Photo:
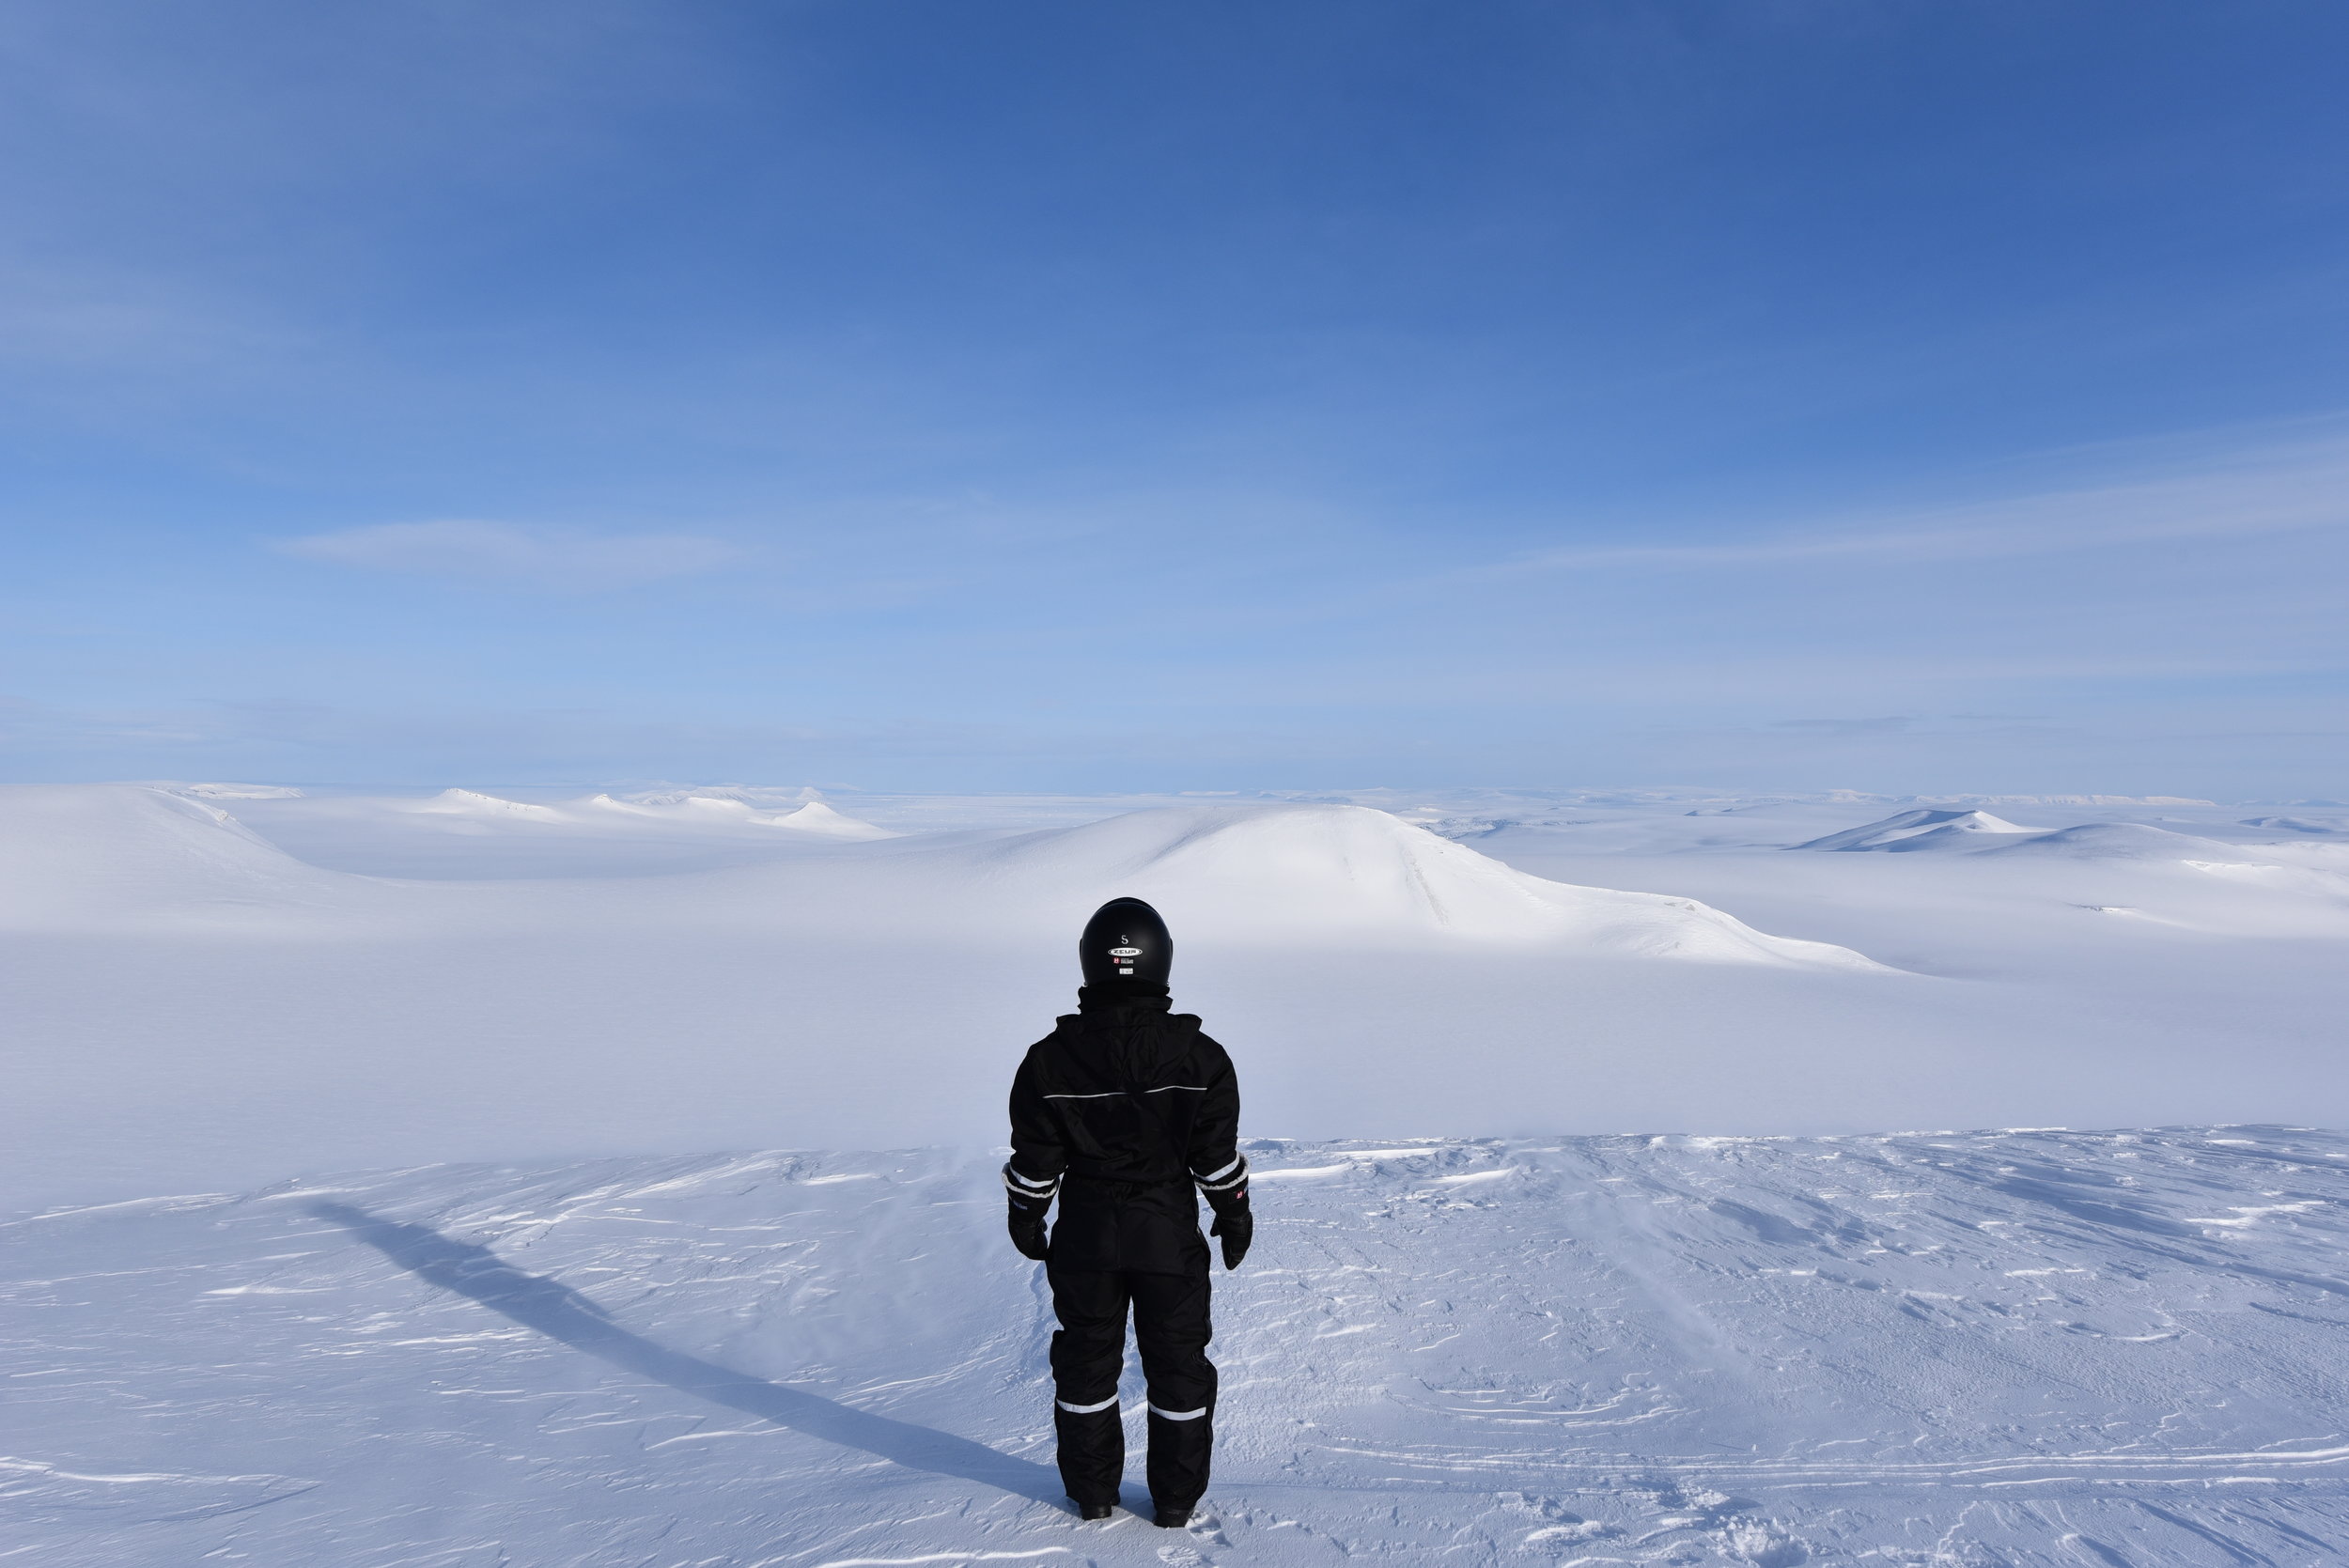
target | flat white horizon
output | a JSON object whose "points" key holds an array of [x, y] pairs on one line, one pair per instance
{"points": [[224, 985]]}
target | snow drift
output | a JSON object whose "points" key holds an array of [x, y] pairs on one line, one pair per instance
{"points": [[1322, 875]]}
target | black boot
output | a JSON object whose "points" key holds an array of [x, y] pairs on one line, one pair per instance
{"points": [[1095, 1510], [1170, 1518]]}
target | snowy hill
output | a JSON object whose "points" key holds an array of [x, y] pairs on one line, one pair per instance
{"points": [[2124, 841], [2027, 1348], [128, 855], [1926, 829], [1315, 875]]}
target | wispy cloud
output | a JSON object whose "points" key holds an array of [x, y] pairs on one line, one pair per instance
{"points": [[2271, 491], [546, 558], [1845, 727]]}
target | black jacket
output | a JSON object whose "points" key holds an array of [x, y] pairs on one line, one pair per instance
{"points": [[1122, 1111]]}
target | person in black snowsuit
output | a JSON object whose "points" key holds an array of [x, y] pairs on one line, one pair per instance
{"points": [[1128, 1115]]}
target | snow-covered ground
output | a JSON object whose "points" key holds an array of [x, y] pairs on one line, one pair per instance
{"points": [[1575, 1308], [2006, 1348]]}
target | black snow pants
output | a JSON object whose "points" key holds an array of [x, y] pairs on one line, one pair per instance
{"points": [[1171, 1328]]}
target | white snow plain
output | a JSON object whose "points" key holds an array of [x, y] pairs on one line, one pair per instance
{"points": [[1635, 1276], [2017, 1348]]}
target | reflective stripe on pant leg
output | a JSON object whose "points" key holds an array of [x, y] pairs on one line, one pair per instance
{"points": [[1172, 1329], [1088, 1354]]}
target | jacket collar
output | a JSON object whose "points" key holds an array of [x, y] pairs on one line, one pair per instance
{"points": [[1126, 996]]}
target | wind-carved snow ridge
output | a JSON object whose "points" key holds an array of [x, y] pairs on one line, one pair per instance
{"points": [[2022, 1347], [1319, 873]]}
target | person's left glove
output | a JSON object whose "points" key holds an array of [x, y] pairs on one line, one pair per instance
{"points": [[1027, 1229], [1238, 1228]]}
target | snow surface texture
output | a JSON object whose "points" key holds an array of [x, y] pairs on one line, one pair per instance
{"points": [[2012, 1349]]}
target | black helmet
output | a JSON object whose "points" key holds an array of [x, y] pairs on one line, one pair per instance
{"points": [[1126, 942]]}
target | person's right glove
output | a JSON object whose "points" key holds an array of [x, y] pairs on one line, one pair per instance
{"points": [[1238, 1228], [1027, 1229]]}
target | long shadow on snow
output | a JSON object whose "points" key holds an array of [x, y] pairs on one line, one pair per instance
{"points": [[560, 1313]]}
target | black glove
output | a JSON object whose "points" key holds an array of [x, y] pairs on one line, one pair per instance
{"points": [[1027, 1229], [1238, 1228]]}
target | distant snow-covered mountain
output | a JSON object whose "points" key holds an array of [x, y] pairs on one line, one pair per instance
{"points": [[1979, 832], [1929, 829]]}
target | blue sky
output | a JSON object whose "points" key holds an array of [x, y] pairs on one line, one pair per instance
{"points": [[1769, 395]]}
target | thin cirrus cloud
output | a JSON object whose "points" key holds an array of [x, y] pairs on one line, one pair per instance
{"points": [[2258, 491], [505, 553]]}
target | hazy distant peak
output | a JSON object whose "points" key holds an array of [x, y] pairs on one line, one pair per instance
{"points": [[1924, 828]]}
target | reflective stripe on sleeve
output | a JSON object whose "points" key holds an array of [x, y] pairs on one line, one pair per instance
{"points": [[1028, 1188], [1240, 1180], [1088, 1409], [1238, 1160]]}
